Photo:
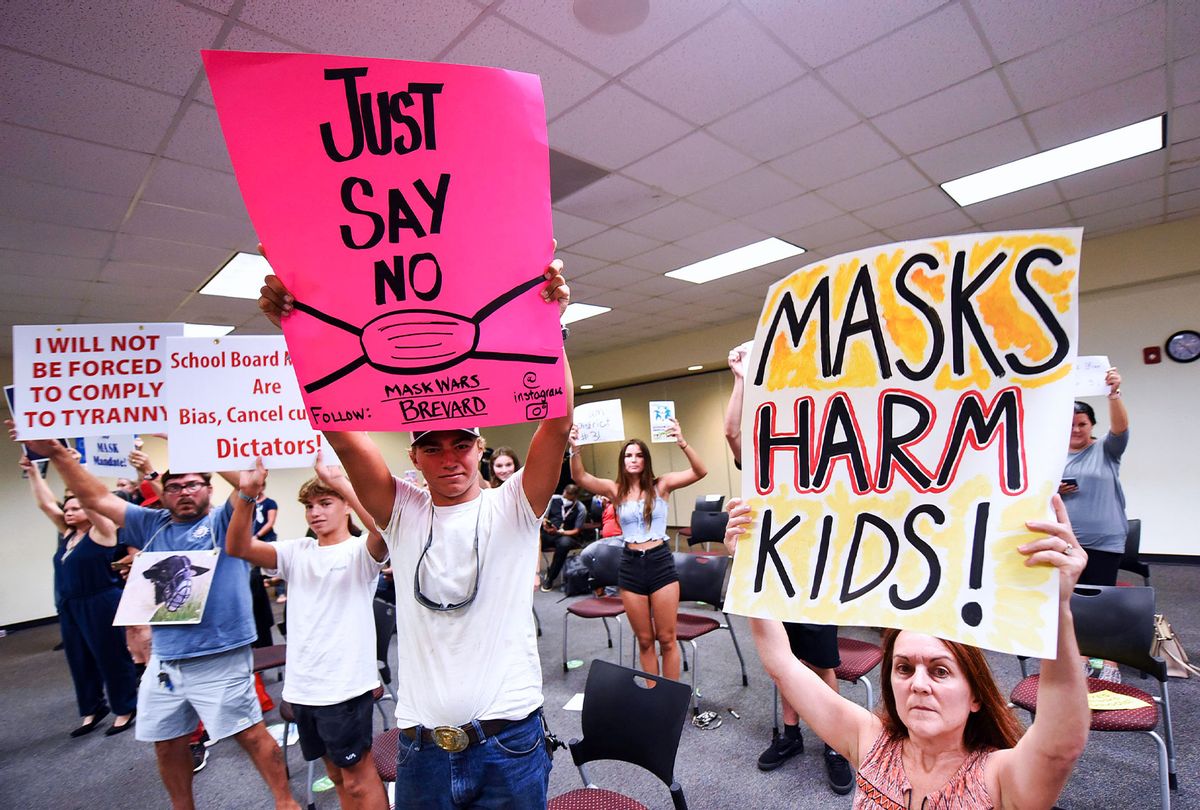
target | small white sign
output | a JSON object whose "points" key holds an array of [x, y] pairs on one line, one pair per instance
{"points": [[108, 456], [600, 422], [662, 412], [1089, 376]]}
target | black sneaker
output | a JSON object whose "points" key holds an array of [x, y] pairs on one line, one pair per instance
{"points": [[781, 749], [199, 757], [837, 771]]}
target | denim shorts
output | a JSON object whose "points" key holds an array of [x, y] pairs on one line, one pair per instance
{"points": [[646, 573], [510, 769]]}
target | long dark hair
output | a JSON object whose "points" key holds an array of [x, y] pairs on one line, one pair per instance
{"points": [[993, 726], [646, 482]]}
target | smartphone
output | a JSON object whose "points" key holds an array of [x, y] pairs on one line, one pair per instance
{"points": [[1071, 482]]}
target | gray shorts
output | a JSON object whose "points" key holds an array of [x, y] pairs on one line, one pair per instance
{"points": [[216, 689]]}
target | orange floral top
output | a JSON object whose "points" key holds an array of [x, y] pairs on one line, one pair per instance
{"points": [[883, 784]]}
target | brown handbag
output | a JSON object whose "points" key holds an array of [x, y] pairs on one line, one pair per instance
{"points": [[1167, 646]]}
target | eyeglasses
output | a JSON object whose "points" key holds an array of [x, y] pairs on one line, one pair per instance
{"points": [[444, 607], [189, 487]]}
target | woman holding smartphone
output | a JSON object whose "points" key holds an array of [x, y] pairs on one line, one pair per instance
{"points": [[647, 578]]}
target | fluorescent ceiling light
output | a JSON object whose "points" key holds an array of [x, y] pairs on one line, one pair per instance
{"points": [[695, 368], [578, 312], [205, 330], [1073, 158], [587, 387], [737, 261], [240, 277]]}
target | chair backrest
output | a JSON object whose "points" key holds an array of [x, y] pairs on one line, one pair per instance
{"points": [[701, 577], [708, 527], [710, 503], [625, 721], [606, 564], [1118, 624], [1133, 545]]}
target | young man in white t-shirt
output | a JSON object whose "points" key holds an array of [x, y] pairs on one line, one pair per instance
{"points": [[469, 702], [331, 667]]}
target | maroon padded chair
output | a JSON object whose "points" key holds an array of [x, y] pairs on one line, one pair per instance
{"points": [[702, 579], [858, 658], [606, 563]]}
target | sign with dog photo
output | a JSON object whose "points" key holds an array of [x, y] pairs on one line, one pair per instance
{"points": [[167, 587]]}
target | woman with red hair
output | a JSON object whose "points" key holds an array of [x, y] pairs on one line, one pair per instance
{"points": [[942, 735]]}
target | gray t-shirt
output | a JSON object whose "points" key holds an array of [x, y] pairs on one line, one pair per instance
{"points": [[1097, 510]]}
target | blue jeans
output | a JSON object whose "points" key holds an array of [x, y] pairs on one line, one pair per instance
{"points": [[509, 770]]}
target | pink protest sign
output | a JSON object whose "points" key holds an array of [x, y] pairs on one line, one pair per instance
{"points": [[406, 206]]}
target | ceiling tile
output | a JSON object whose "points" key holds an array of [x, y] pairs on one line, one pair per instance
{"points": [[184, 185], [21, 263], [857, 244], [876, 186], [555, 22], [198, 139], [836, 158], [831, 231], [45, 285], [1015, 28], [674, 221], [168, 253], [1113, 106], [1183, 201], [934, 52], [195, 227], [43, 237], [1050, 217], [614, 245], [802, 113], [1185, 80], [1183, 180], [1112, 176], [63, 206], [969, 106], [569, 229], [127, 310], [1118, 198], [747, 193], [1135, 213], [139, 276], [395, 31], [723, 238], [1011, 205], [715, 69], [72, 102], [614, 277], [215, 309], [44, 307], [792, 214], [820, 31], [918, 205], [1131, 44], [948, 223], [654, 286], [666, 258], [68, 162], [146, 42], [688, 165], [599, 130], [1185, 154], [613, 200], [1184, 123], [1183, 27], [497, 43], [576, 265], [974, 153]]}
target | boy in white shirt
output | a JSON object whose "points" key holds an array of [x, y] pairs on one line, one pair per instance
{"points": [[331, 667]]}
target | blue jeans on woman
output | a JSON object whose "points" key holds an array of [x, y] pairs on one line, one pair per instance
{"points": [[509, 770]]}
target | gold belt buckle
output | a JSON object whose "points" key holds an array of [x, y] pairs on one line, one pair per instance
{"points": [[451, 738]]}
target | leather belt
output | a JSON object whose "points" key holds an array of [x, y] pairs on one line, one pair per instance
{"points": [[458, 738]]}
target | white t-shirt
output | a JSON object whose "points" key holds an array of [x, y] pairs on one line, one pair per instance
{"points": [[331, 624], [479, 662]]}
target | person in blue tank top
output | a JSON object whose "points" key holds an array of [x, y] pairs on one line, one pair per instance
{"points": [[87, 592], [198, 672], [647, 578]]}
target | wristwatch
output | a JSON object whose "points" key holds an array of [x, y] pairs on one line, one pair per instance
{"points": [[151, 476]]}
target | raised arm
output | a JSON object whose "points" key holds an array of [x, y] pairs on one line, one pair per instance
{"points": [[544, 459], [733, 411], [335, 478], [1034, 772], [676, 480], [843, 724], [92, 493], [368, 473], [42, 495], [599, 486], [239, 539], [141, 462], [1118, 417]]}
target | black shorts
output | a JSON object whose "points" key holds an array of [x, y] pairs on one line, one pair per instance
{"points": [[646, 572], [341, 731], [815, 644]]}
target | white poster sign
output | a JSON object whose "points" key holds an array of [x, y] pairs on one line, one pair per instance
{"points": [[1090, 372], [600, 422], [108, 456], [89, 379], [232, 399]]}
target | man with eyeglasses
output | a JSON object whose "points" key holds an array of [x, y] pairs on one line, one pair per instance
{"points": [[200, 671], [470, 693]]}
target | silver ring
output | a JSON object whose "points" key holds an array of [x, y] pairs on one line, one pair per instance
{"points": [[1067, 550]]}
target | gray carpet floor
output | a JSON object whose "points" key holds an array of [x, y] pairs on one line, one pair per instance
{"points": [[40, 767]]}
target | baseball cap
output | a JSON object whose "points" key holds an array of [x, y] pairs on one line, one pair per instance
{"points": [[420, 434]]}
